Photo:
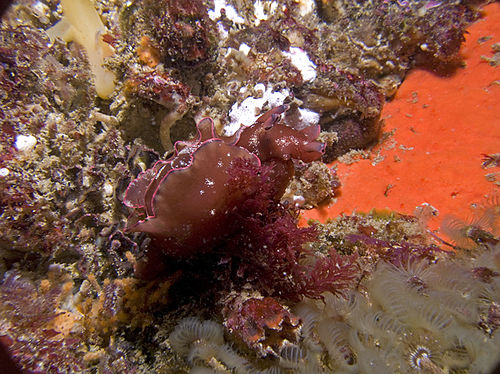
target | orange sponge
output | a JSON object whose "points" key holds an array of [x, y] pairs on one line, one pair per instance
{"points": [[442, 127]]}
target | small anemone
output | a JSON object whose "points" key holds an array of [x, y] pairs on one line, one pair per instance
{"points": [[202, 342], [454, 277], [392, 293], [460, 306], [460, 232], [431, 316], [201, 351], [309, 315], [385, 323]]}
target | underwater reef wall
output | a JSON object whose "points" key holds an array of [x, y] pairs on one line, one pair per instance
{"points": [[155, 157]]}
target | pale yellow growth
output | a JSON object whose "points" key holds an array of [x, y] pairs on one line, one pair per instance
{"points": [[81, 23]]}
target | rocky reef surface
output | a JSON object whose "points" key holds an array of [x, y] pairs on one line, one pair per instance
{"points": [[122, 252]]}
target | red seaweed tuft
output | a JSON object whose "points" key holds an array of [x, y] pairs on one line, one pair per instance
{"points": [[189, 202], [222, 196], [185, 201], [334, 273]]}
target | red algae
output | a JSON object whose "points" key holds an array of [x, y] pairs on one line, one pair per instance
{"points": [[442, 127], [200, 171]]}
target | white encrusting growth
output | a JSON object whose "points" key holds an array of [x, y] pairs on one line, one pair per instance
{"points": [[263, 9], [245, 48], [247, 112], [301, 61], [231, 13], [308, 117], [25, 143], [250, 109], [306, 7]]}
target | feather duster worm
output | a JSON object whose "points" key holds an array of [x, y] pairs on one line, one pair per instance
{"points": [[189, 202]]}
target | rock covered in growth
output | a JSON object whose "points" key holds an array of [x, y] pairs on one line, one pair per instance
{"points": [[389, 37], [57, 190], [349, 105], [232, 48], [262, 323], [34, 330], [182, 30], [158, 87], [62, 161], [314, 184]]}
